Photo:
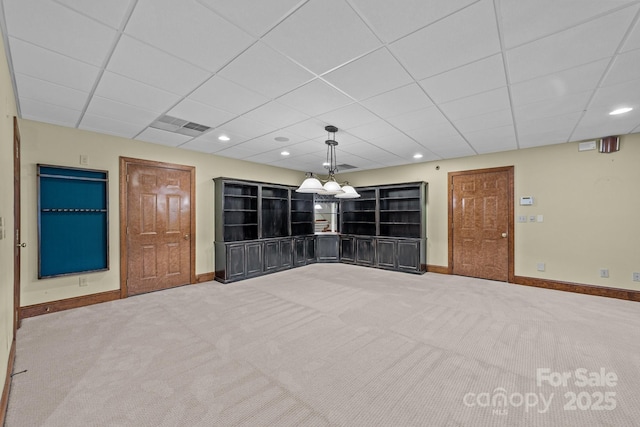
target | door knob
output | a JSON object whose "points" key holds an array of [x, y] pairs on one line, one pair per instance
{"points": [[504, 234], [21, 245], [186, 237]]}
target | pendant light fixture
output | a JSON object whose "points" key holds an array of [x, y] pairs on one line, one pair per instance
{"points": [[331, 186]]}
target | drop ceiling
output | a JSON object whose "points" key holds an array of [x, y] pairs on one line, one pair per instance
{"points": [[440, 78]]}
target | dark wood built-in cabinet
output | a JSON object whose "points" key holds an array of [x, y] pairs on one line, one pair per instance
{"points": [[386, 227], [262, 228]]}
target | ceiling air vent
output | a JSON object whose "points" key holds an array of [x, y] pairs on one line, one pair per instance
{"points": [[344, 167], [176, 125]]}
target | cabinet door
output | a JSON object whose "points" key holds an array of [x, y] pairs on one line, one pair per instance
{"points": [[386, 254], [310, 249], [254, 258], [365, 251], [235, 262], [347, 249], [271, 255], [286, 253], [327, 248], [409, 255], [299, 257]]}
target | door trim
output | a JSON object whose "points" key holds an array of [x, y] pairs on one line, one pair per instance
{"points": [[124, 163], [17, 316], [510, 213]]}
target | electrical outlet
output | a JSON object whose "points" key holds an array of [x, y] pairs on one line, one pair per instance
{"points": [[83, 282], [522, 218], [540, 266], [84, 159], [636, 277], [604, 272]]}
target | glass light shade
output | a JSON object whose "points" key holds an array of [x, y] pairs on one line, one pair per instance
{"points": [[310, 185], [349, 193], [331, 187]]}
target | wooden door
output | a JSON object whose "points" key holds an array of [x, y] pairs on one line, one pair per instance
{"points": [[481, 223], [159, 226], [18, 245]]}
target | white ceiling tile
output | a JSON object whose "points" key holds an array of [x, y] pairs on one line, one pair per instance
{"points": [[348, 117], [625, 67], [315, 98], [429, 116], [367, 151], [480, 76], [633, 40], [543, 138], [146, 64], [274, 76], [227, 95], [564, 123], [322, 35], [431, 136], [311, 128], [373, 130], [585, 43], [391, 20], [213, 136], [597, 123], [200, 113], [459, 39], [203, 146], [492, 140], [46, 65], [59, 29], [40, 90], [452, 147], [276, 114], [490, 120], [248, 127], [111, 13], [370, 75], [625, 94], [572, 103], [110, 126], [145, 97], [486, 102], [48, 113], [559, 84], [236, 152], [255, 17], [188, 30], [163, 137], [398, 101], [526, 20], [108, 108]]}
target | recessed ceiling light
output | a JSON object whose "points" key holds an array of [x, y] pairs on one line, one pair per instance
{"points": [[224, 138], [285, 153], [417, 156], [620, 111]]}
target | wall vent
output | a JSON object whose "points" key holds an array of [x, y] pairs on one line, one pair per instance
{"points": [[344, 167], [176, 125]]}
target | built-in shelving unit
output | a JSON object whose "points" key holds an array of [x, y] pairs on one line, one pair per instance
{"points": [[359, 215], [385, 227], [261, 228]]}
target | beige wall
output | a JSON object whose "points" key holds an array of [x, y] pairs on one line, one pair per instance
{"points": [[7, 112], [589, 202], [55, 145]]}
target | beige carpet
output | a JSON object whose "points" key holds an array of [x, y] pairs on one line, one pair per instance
{"points": [[333, 344]]}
